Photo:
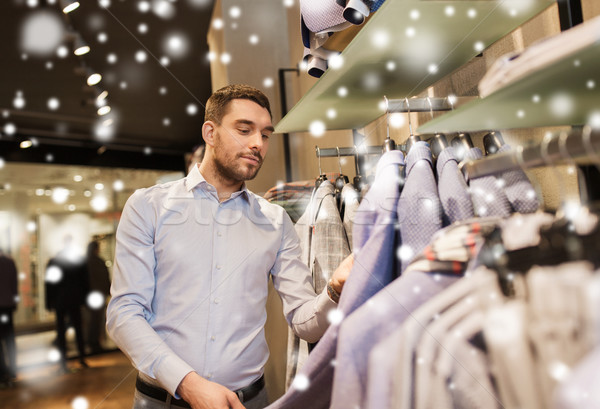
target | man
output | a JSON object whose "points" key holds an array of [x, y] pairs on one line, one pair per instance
{"points": [[8, 304], [66, 285], [192, 264], [99, 284]]}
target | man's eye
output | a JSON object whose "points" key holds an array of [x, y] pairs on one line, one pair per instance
{"points": [[265, 136], [244, 131]]}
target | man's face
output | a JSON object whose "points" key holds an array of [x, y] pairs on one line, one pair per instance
{"points": [[241, 140]]}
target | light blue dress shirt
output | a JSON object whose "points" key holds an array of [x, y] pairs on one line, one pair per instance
{"points": [[190, 283]]}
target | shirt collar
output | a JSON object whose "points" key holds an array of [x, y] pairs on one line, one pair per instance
{"points": [[389, 158], [418, 152], [195, 179]]}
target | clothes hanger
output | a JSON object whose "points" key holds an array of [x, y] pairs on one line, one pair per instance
{"points": [[340, 182], [412, 138], [438, 142], [342, 179], [462, 143], [322, 177], [388, 144], [492, 142], [357, 181]]}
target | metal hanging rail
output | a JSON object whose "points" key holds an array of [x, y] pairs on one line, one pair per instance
{"points": [[578, 146], [426, 104], [333, 152]]}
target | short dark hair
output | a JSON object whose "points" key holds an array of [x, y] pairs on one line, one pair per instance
{"points": [[216, 106]]}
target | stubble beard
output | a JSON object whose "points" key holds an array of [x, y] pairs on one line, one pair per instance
{"points": [[229, 166]]}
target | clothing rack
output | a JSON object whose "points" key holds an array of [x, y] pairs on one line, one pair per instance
{"points": [[335, 152], [425, 104], [578, 146]]}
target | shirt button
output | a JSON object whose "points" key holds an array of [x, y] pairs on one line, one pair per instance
{"points": [[217, 300], [208, 376], [219, 234], [212, 338], [218, 267]]}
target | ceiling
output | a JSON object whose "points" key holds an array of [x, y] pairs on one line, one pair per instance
{"points": [[153, 58]]}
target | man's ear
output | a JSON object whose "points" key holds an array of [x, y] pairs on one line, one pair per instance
{"points": [[208, 132]]}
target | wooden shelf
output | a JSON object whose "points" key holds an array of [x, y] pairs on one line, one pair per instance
{"points": [[405, 47]]}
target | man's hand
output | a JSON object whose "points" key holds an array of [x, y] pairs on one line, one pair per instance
{"points": [[203, 394], [339, 276]]}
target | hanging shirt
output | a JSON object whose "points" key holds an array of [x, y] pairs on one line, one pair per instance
{"points": [[452, 189], [372, 322], [487, 193], [350, 198], [446, 256], [582, 388], [373, 269], [419, 208], [385, 312], [518, 189], [191, 280]]}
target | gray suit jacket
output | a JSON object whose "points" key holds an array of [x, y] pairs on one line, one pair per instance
{"points": [[324, 247]]}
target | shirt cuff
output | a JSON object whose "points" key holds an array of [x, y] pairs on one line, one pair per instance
{"points": [[172, 373]]}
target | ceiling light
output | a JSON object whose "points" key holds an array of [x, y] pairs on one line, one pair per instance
{"points": [[99, 203], [94, 79], [26, 144], [100, 103], [102, 95], [118, 185], [60, 195], [80, 47], [103, 110], [68, 5]]}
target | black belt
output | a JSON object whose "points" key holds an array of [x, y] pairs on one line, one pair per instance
{"points": [[244, 394]]}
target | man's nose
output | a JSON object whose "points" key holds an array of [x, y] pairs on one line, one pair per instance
{"points": [[256, 141]]}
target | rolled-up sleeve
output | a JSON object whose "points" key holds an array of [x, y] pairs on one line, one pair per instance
{"points": [[305, 311], [129, 313]]}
